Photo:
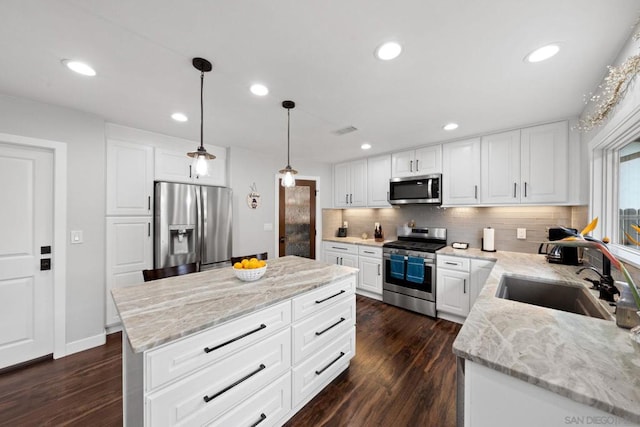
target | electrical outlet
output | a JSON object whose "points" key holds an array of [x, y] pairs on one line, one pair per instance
{"points": [[522, 233], [345, 224]]}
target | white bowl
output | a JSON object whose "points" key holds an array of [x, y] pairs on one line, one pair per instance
{"points": [[249, 274]]}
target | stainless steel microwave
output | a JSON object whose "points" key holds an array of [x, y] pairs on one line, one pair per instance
{"points": [[426, 189]]}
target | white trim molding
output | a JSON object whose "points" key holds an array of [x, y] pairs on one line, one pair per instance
{"points": [[59, 250], [86, 344]]}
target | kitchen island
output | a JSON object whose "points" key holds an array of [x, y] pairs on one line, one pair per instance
{"points": [[530, 366], [207, 348]]}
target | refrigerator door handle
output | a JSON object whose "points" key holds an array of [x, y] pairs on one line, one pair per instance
{"points": [[200, 221]]}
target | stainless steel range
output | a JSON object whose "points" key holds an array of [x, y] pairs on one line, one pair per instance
{"points": [[409, 268]]}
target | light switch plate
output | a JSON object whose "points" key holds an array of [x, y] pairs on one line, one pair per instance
{"points": [[76, 237], [522, 233]]}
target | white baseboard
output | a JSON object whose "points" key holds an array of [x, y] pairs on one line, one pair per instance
{"points": [[116, 327], [86, 343], [369, 294]]}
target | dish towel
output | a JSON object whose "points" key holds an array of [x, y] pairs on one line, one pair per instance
{"points": [[397, 266], [415, 270]]}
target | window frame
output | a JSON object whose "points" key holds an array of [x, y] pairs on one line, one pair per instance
{"points": [[604, 150]]}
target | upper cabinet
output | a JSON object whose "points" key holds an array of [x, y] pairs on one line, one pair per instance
{"points": [[421, 161], [350, 184], [461, 172], [176, 166], [378, 175], [129, 178], [526, 166]]}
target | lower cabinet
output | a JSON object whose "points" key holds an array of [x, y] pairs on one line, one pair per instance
{"points": [[341, 254], [459, 280], [368, 259], [259, 369]]}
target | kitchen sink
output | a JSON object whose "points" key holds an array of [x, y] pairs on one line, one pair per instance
{"points": [[557, 295]]}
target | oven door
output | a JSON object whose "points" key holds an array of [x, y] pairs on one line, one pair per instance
{"points": [[412, 286]]}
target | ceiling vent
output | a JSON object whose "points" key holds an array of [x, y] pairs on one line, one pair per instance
{"points": [[345, 130]]}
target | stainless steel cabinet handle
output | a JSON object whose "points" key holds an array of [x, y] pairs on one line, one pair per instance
{"points": [[338, 247], [330, 363], [514, 190], [417, 165], [148, 229], [368, 252], [475, 191], [346, 198], [239, 337], [525, 189], [338, 260], [190, 171], [341, 260], [320, 301], [342, 319], [410, 165], [148, 203], [208, 399], [464, 286], [351, 198], [262, 418], [451, 263]]}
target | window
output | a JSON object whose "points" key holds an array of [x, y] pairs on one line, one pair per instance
{"points": [[629, 195]]}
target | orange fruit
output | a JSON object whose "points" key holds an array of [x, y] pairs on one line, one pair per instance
{"points": [[237, 265]]}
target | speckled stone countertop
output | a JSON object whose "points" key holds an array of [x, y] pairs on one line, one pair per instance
{"points": [[157, 312], [355, 241], [591, 361]]}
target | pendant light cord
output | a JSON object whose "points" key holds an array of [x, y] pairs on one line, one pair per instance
{"points": [[201, 109], [288, 131]]}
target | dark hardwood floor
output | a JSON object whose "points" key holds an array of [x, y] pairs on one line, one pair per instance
{"points": [[403, 374]]}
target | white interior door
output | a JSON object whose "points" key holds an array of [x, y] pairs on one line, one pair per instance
{"points": [[26, 224]]}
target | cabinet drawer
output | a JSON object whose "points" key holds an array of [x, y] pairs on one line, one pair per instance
{"points": [[210, 392], [316, 331], [346, 248], [316, 300], [263, 409], [186, 355], [326, 364], [370, 251], [453, 263]]}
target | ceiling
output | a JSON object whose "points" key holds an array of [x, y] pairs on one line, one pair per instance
{"points": [[462, 61]]}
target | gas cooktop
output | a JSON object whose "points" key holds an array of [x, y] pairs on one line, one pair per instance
{"points": [[414, 246], [422, 239]]}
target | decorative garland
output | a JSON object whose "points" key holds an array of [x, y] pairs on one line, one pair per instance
{"points": [[612, 91]]}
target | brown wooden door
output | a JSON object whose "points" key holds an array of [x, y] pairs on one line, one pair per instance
{"points": [[297, 219]]}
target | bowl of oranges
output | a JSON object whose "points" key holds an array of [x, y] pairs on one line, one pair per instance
{"points": [[250, 269]]}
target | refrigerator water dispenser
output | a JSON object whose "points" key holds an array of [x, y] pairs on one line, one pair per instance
{"points": [[181, 239]]}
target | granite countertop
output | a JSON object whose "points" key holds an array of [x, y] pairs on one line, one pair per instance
{"points": [[161, 311], [355, 241], [591, 361]]}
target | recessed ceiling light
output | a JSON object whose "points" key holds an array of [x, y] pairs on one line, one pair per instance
{"points": [[79, 67], [259, 89], [179, 117], [365, 146], [388, 51], [450, 126], [545, 52]]}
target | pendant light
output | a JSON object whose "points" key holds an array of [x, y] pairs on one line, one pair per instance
{"points": [[200, 156], [288, 172]]}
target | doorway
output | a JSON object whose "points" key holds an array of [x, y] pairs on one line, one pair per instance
{"points": [[297, 219]]}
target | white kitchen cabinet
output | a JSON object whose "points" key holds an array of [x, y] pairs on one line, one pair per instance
{"points": [[378, 175], [461, 172], [370, 274], [129, 178], [452, 287], [129, 251], [528, 166], [341, 254], [350, 184], [176, 166], [501, 183], [421, 161], [544, 166]]}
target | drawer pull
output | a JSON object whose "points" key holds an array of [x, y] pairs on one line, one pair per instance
{"points": [[338, 247], [331, 363], [451, 263], [369, 252], [208, 399], [210, 349], [262, 418], [342, 319], [320, 301]]}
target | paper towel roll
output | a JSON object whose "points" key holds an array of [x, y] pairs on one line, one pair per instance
{"points": [[488, 235]]}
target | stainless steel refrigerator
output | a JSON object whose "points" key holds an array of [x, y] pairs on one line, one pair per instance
{"points": [[192, 224]]}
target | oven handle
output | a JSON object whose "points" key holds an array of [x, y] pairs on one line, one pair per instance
{"points": [[426, 260]]}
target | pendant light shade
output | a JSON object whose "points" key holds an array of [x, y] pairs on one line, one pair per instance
{"points": [[200, 156], [288, 179]]}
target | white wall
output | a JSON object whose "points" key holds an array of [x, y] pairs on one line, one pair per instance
{"points": [[248, 167], [84, 135]]}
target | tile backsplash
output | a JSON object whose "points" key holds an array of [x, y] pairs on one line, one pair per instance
{"points": [[462, 224]]}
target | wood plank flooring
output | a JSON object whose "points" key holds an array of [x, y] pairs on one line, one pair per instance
{"points": [[403, 375]]}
